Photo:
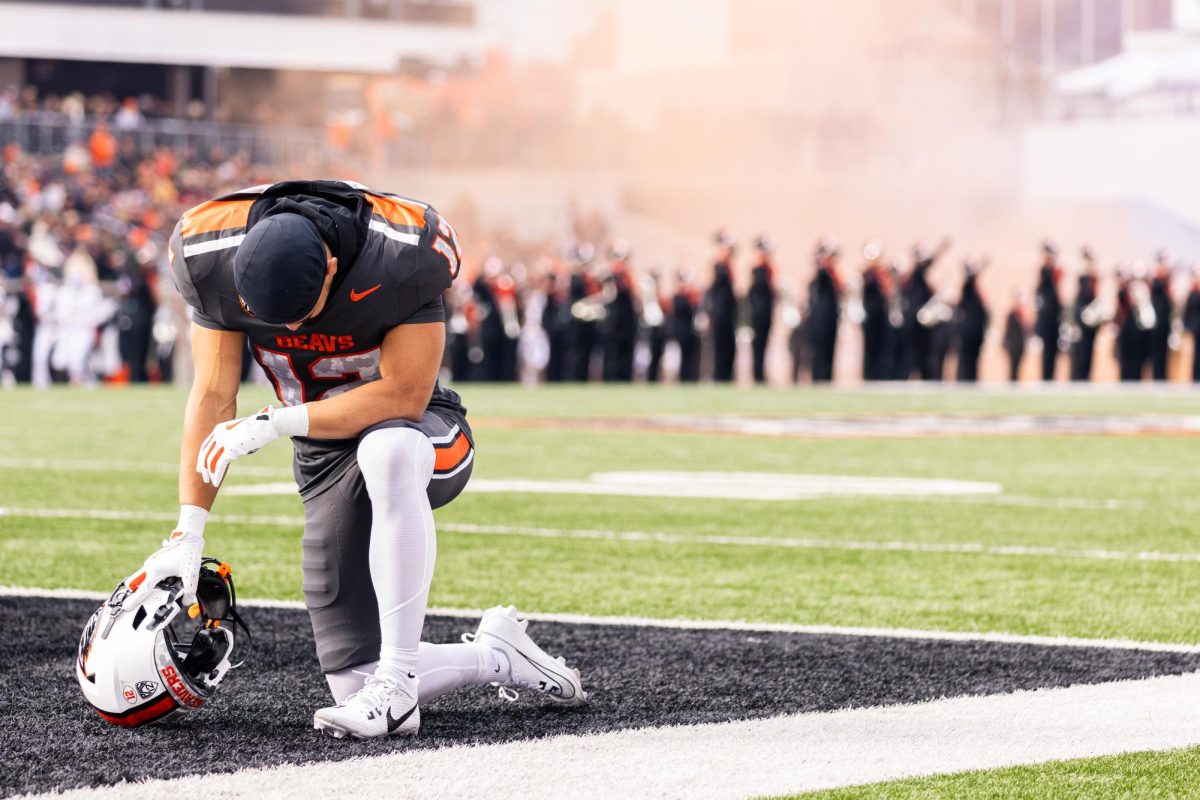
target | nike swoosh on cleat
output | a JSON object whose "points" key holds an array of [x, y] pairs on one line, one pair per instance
{"points": [[356, 296], [392, 723], [559, 680]]}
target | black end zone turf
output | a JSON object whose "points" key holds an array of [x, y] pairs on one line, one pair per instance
{"points": [[635, 677]]}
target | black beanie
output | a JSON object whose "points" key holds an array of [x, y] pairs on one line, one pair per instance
{"points": [[279, 268]]}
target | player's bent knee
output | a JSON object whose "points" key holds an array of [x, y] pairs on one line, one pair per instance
{"points": [[394, 456]]}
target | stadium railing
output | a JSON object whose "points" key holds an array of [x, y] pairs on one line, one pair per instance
{"points": [[46, 134]]}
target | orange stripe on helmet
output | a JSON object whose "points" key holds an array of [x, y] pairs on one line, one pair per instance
{"points": [[447, 458], [216, 215]]}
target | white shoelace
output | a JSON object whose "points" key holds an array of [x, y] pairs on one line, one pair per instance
{"points": [[375, 691]]}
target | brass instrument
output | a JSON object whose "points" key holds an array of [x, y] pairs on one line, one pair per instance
{"points": [[853, 307], [1143, 310], [653, 315], [936, 311], [1096, 313]]}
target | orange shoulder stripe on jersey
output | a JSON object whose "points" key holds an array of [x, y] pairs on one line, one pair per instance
{"points": [[216, 215], [397, 211], [447, 458]]}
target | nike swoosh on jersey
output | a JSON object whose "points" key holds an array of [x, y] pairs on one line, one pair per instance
{"points": [[356, 296], [393, 723]]}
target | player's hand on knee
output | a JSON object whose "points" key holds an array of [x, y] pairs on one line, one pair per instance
{"points": [[179, 557], [241, 437]]}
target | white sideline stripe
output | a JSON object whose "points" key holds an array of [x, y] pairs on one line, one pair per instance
{"points": [[707, 625], [785, 543], [782, 755], [215, 244], [392, 233]]}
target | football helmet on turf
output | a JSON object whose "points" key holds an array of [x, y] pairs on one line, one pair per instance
{"points": [[134, 667]]}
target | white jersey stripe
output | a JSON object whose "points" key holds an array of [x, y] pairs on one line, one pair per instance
{"points": [[391, 233], [447, 439], [215, 244]]}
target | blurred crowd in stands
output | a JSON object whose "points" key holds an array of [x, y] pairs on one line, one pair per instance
{"points": [[85, 292], [83, 254], [126, 114]]}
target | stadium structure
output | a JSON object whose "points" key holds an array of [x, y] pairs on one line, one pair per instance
{"points": [[201, 49]]}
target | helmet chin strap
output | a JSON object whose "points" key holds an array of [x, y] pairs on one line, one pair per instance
{"points": [[217, 597], [206, 657]]}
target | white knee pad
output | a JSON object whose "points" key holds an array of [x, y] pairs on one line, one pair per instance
{"points": [[395, 457]]}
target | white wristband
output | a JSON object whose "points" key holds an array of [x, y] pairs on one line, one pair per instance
{"points": [[192, 520], [290, 420]]}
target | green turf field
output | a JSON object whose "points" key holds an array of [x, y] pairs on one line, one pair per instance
{"points": [[1158, 775], [122, 447], [116, 450]]}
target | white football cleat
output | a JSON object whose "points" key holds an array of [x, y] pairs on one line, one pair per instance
{"points": [[530, 667], [383, 707]]}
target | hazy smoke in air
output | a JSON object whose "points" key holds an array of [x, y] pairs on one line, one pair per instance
{"points": [[854, 119]]}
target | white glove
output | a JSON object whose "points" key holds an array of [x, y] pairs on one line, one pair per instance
{"points": [[241, 437], [179, 556]]}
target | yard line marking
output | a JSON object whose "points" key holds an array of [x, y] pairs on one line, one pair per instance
{"points": [[752, 758], [738, 486], [932, 491], [93, 465], [966, 548], [143, 516], [708, 485], [289, 488], [707, 624], [652, 537], [1058, 503]]}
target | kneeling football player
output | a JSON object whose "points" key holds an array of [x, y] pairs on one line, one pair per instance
{"points": [[338, 290]]}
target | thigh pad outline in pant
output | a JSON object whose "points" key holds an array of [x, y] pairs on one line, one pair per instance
{"points": [[338, 591]]}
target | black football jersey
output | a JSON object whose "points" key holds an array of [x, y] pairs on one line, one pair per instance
{"points": [[404, 256]]}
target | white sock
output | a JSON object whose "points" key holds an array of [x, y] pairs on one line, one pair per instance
{"points": [[441, 668], [397, 464]]}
